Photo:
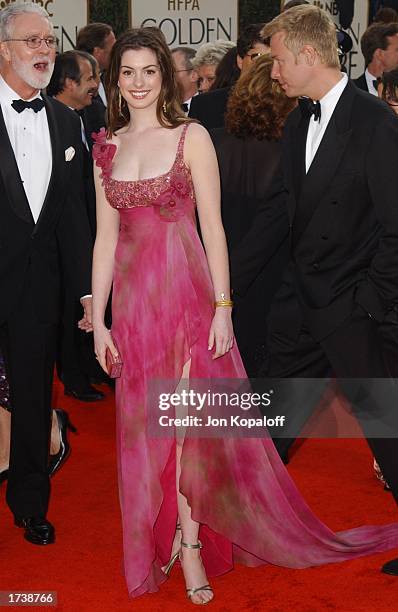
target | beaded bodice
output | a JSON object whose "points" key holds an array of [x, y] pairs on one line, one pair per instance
{"points": [[171, 193]]}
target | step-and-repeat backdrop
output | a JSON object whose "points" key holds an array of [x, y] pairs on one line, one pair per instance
{"points": [[192, 22], [188, 22], [68, 16], [354, 62]]}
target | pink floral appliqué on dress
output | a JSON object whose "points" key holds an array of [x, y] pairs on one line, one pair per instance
{"points": [[171, 204], [103, 152]]}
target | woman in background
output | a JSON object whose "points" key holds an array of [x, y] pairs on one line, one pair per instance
{"points": [[248, 151], [387, 88], [206, 61], [227, 71], [5, 422], [59, 445]]}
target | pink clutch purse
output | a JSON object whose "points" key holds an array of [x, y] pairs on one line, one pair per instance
{"points": [[113, 364]]}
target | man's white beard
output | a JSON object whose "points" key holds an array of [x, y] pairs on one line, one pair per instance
{"points": [[25, 72]]}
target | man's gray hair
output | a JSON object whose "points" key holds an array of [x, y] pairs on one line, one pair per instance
{"points": [[8, 15], [188, 54]]}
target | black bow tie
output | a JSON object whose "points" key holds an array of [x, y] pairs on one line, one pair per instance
{"points": [[185, 107], [308, 108], [19, 105]]}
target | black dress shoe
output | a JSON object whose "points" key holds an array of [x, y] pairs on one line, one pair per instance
{"points": [[61, 456], [85, 394], [37, 530], [391, 567], [3, 476], [96, 380], [106, 380]]}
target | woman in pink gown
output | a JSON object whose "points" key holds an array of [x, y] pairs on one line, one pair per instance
{"points": [[232, 494]]}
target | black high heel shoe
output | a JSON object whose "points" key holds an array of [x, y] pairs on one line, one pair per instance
{"points": [[61, 456], [3, 476]]}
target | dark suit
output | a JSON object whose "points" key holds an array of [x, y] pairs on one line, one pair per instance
{"points": [[75, 356], [93, 118], [344, 245], [361, 83], [343, 214], [34, 257], [89, 188], [209, 108]]}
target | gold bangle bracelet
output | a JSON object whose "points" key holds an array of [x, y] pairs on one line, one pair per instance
{"points": [[223, 303]]}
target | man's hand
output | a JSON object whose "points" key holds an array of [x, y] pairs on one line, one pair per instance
{"points": [[85, 323]]}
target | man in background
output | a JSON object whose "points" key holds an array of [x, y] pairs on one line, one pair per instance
{"points": [[74, 84], [187, 77], [379, 45], [98, 40]]}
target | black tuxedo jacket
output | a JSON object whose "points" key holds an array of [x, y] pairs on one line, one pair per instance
{"points": [[343, 215], [361, 83], [89, 190], [59, 243], [209, 108], [94, 118]]}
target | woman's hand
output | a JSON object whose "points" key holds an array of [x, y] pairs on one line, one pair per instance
{"points": [[102, 341], [221, 332]]}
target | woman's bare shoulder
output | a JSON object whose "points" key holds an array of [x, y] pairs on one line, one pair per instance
{"points": [[197, 138], [196, 131]]}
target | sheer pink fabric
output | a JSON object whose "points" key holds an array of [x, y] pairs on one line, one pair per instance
{"points": [[238, 489]]}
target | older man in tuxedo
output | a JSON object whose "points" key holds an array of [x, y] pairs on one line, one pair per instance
{"points": [[337, 191], [44, 233]]}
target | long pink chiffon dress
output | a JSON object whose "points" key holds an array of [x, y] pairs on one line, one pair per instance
{"points": [[238, 489]]}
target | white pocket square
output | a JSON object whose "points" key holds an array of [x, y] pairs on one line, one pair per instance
{"points": [[69, 154]]}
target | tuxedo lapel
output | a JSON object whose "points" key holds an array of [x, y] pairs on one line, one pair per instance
{"points": [[298, 144], [11, 178], [326, 162], [57, 179]]}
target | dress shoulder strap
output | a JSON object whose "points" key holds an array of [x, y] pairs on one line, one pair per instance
{"points": [[180, 148]]}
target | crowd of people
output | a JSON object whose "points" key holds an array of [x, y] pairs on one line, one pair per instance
{"points": [[139, 184]]}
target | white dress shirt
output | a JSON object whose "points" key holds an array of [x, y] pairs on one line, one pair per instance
{"points": [[102, 94], [316, 129], [30, 139], [82, 129], [369, 82], [188, 103], [84, 137]]}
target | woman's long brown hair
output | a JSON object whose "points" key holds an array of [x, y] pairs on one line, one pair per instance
{"points": [[143, 38]]}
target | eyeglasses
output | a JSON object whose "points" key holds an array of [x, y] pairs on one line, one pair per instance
{"points": [[254, 56], [34, 42]]}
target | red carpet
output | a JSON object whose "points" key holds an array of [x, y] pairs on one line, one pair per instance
{"points": [[84, 566]]}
